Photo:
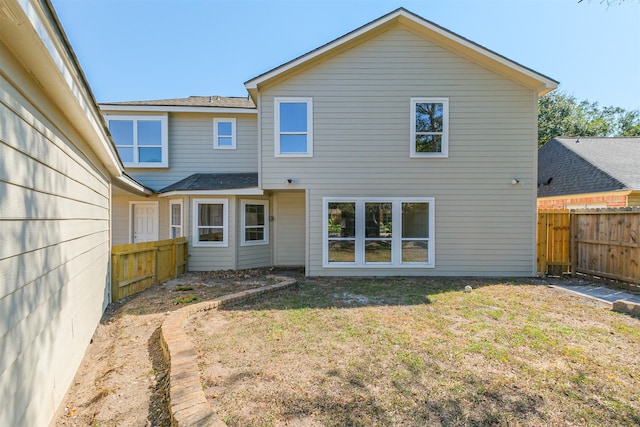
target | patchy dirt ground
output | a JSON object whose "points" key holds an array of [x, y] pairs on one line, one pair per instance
{"points": [[122, 380]]}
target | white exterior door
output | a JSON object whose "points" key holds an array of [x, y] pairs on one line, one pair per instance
{"points": [[145, 222]]}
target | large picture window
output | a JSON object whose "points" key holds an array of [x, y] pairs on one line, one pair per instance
{"points": [[369, 232], [429, 127], [293, 127], [210, 222], [141, 141], [255, 222]]}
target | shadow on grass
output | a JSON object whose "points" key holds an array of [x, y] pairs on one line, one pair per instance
{"points": [[346, 292], [474, 402]]}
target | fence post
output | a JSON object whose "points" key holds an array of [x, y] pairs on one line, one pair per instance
{"points": [[174, 258], [542, 243], [115, 276]]}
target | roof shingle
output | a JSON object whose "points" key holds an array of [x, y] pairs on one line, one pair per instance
{"points": [[214, 181], [193, 101], [588, 165]]}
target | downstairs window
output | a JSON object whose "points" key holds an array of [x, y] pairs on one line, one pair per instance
{"points": [[378, 232]]}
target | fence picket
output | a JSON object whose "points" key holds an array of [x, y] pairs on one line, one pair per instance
{"points": [[137, 266], [597, 242]]}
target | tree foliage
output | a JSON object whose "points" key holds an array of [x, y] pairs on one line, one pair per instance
{"points": [[560, 114]]}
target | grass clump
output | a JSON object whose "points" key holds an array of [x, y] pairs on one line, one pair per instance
{"points": [[184, 288], [185, 299]]}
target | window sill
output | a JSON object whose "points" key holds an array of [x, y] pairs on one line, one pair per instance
{"points": [[429, 155], [379, 265], [260, 243], [294, 155], [158, 165], [211, 245]]}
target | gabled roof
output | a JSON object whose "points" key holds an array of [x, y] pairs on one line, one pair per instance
{"points": [[588, 165], [213, 182], [447, 39]]}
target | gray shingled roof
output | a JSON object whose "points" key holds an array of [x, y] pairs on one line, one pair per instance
{"points": [[193, 101], [214, 181], [589, 166]]}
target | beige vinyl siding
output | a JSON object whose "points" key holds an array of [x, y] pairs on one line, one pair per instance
{"points": [[54, 250], [361, 124], [289, 228], [253, 256], [121, 208], [191, 149], [633, 199], [212, 258]]}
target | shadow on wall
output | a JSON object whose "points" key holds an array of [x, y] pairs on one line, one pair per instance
{"points": [[55, 244]]}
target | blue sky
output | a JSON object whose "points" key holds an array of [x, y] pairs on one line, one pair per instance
{"points": [[154, 49]]}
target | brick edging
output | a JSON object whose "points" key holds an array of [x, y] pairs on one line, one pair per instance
{"points": [[187, 403], [622, 306]]}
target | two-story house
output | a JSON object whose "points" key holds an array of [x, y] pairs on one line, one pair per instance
{"points": [[400, 148]]}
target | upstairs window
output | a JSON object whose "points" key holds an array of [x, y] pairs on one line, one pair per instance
{"points": [[224, 134], [141, 140], [293, 127], [429, 127]]}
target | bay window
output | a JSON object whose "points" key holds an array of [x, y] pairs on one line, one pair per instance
{"points": [[255, 222], [210, 222], [175, 219]]}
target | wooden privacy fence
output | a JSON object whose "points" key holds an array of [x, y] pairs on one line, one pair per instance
{"points": [[553, 242], [137, 266], [599, 242]]}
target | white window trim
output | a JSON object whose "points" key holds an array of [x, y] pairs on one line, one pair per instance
{"points": [[265, 241], [276, 125], [164, 129], [181, 226], [445, 128], [225, 222], [216, 145], [396, 256]]}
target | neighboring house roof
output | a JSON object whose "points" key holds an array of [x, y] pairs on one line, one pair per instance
{"points": [[447, 39], [192, 101], [213, 182], [588, 165]]}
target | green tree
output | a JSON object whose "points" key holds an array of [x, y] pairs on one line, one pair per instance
{"points": [[560, 114]]}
